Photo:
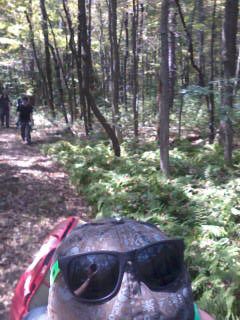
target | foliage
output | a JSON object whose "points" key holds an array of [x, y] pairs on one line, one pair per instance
{"points": [[200, 203], [201, 200]]}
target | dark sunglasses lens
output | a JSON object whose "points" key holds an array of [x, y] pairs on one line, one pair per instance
{"points": [[160, 264], [93, 276]]}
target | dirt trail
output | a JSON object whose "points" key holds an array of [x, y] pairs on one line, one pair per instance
{"points": [[34, 195]]}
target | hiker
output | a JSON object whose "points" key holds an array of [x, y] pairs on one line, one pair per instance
{"points": [[115, 269], [4, 109], [25, 111]]}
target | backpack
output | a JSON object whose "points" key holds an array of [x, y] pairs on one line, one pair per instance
{"points": [[33, 286]]}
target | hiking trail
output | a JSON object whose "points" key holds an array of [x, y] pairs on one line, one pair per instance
{"points": [[35, 194]]}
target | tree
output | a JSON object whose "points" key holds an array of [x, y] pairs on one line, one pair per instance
{"points": [[102, 52], [88, 74], [59, 83], [199, 67], [212, 76], [164, 90], [115, 66], [76, 54], [229, 56], [48, 66], [61, 73], [172, 50], [28, 15], [135, 65], [125, 62]]}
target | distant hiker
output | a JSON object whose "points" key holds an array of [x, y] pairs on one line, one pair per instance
{"points": [[25, 117], [4, 109]]}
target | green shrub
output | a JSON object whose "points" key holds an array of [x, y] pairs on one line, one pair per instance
{"points": [[201, 202]]}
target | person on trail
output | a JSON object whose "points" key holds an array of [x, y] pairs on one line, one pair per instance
{"points": [[4, 109], [115, 269], [25, 111]]}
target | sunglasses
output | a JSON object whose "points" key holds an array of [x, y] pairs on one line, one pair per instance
{"points": [[96, 277]]}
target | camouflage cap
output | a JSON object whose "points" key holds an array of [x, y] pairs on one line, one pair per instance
{"points": [[134, 300]]}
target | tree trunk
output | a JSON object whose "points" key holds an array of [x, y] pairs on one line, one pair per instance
{"points": [[164, 91], [190, 45], [75, 92], [115, 66], [135, 66], [180, 116], [201, 21], [48, 66], [88, 74], [90, 24], [198, 68], [125, 63], [184, 77], [172, 51], [237, 76], [59, 84], [77, 58], [212, 76], [102, 52], [89, 113], [229, 56], [63, 72], [37, 60], [141, 57]]}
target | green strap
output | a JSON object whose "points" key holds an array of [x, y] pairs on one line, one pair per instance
{"points": [[54, 272], [196, 313]]}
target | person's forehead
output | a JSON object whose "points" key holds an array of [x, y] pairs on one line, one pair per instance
{"points": [[125, 236]]}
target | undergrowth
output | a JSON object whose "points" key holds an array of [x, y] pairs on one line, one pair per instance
{"points": [[201, 203]]}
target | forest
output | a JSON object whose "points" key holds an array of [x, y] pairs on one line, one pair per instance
{"points": [[143, 98]]}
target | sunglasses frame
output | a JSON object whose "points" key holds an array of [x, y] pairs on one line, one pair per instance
{"points": [[61, 265]]}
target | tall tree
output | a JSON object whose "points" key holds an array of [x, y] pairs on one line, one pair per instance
{"points": [[88, 76], [195, 65], [115, 66], [48, 66], [135, 16], [58, 60], [126, 55], [229, 56], [141, 57], [190, 44], [89, 113], [76, 53], [164, 90], [102, 52], [201, 35], [34, 49], [59, 84], [172, 49], [212, 76]]}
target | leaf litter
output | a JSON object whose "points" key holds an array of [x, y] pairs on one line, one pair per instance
{"points": [[35, 194]]}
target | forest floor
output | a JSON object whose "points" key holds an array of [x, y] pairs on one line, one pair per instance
{"points": [[34, 195]]}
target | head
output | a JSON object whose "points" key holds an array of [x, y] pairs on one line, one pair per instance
{"points": [[25, 100], [120, 269]]}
